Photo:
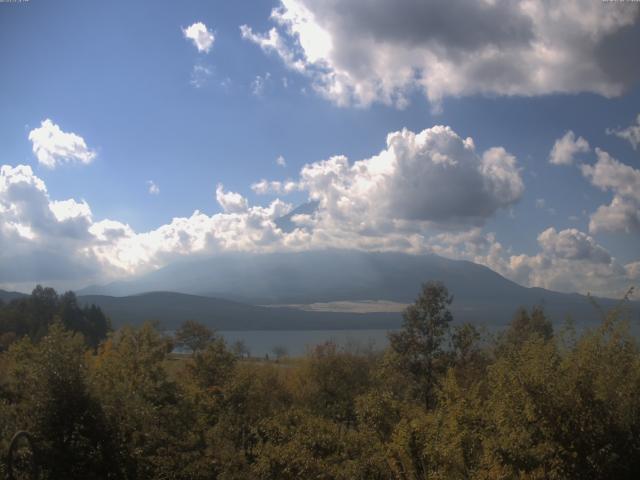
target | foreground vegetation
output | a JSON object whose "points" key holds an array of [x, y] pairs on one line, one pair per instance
{"points": [[441, 402]]}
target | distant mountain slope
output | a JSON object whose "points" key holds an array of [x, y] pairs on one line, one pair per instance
{"points": [[480, 294], [6, 296], [320, 276], [171, 309]]}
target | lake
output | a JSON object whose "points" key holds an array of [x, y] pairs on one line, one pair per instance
{"points": [[296, 342]]}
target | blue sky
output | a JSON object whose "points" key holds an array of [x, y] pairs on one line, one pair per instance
{"points": [[152, 107]]}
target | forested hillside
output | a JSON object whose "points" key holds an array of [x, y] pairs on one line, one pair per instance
{"points": [[32, 315], [442, 402]]}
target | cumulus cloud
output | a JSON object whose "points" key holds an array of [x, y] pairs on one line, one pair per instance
{"points": [[623, 213], [572, 244], [231, 202], [429, 191], [382, 51], [52, 146], [433, 179], [201, 37], [57, 241], [42, 239], [568, 261], [631, 133], [432, 176], [565, 149]]}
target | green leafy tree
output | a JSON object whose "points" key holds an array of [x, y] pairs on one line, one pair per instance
{"points": [[32, 316], [418, 346], [524, 325], [193, 335], [252, 394], [50, 399], [142, 405], [329, 380], [90, 321], [212, 366], [298, 445]]}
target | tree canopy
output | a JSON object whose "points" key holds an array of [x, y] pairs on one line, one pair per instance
{"points": [[443, 401], [34, 314]]}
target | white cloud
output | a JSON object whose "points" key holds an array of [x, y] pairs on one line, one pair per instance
{"points": [[280, 161], [58, 242], [565, 149], [201, 37], [631, 133], [381, 51], [69, 209], [153, 188], [572, 244], [623, 213], [273, 41], [568, 261], [42, 239], [231, 202], [53, 147], [286, 187], [433, 176], [424, 192], [390, 201]]}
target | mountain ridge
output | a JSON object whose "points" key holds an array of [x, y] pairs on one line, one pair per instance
{"points": [[480, 294]]}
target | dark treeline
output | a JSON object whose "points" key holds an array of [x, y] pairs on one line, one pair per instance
{"points": [[442, 402], [33, 315]]}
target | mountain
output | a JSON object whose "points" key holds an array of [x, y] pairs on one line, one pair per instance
{"points": [[6, 296], [319, 276], [480, 294], [171, 309]]}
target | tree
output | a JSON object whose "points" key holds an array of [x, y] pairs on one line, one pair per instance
{"points": [[193, 335], [296, 444], [329, 380], [142, 405], [469, 360], [213, 365], [90, 321], [51, 399], [419, 344], [524, 326], [33, 315]]}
